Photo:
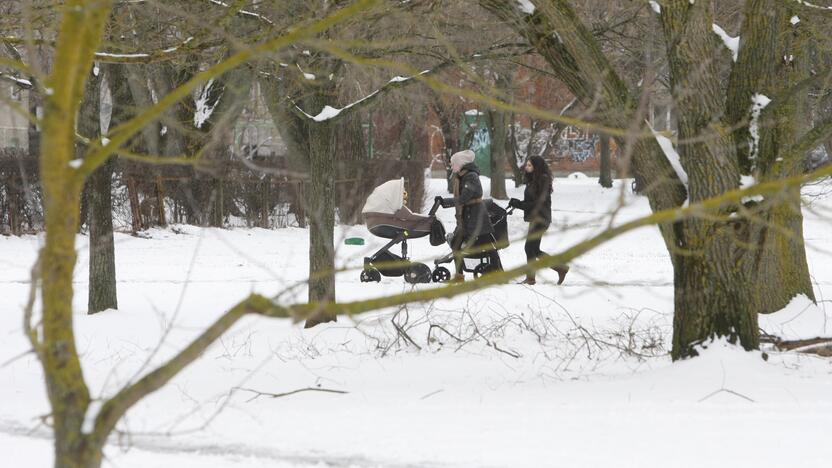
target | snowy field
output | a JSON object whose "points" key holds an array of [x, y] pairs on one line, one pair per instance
{"points": [[563, 376]]}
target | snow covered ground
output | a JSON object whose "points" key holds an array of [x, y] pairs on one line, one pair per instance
{"points": [[515, 376]]}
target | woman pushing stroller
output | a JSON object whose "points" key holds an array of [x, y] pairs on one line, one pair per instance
{"points": [[473, 226], [537, 211]]}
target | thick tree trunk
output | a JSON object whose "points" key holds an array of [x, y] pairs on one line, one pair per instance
{"points": [[605, 178], [777, 262], [712, 299], [714, 295]]}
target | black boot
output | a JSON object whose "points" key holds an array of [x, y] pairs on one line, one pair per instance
{"points": [[562, 271]]}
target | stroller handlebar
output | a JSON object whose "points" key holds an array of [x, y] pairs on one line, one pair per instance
{"points": [[437, 203]]}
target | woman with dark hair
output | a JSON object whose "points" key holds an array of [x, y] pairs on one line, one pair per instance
{"points": [[537, 211]]}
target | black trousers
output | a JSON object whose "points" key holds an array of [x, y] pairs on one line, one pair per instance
{"points": [[532, 247]]}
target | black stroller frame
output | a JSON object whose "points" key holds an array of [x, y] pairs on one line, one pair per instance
{"points": [[498, 217], [384, 262]]}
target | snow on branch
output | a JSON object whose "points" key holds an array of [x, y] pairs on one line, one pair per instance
{"points": [[141, 57], [671, 155], [329, 112], [21, 82], [656, 7], [732, 43]]}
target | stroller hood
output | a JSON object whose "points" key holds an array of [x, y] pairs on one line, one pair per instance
{"points": [[387, 198]]}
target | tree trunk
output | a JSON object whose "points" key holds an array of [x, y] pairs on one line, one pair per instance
{"points": [[778, 259], [292, 131], [605, 178], [98, 207], [499, 145], [352, 152], [449, 134], [102, 275], [321, 205], [32, 131], [712, 298], [516, 170], [80, 33], [777, 264], [103, 292]]}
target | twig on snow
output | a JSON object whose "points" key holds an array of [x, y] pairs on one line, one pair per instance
{"points": [[258, 394]]}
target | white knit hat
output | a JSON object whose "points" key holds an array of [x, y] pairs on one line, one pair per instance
{"points": [[462, 158]]}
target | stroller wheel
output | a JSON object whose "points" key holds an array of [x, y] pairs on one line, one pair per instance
{"points": [[370, 276], [441, 275], [417, 273], [482, 269]]}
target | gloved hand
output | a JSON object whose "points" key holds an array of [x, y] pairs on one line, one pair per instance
{"points": [[514, 203], [444, 203]]}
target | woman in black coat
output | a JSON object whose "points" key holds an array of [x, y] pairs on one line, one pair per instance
{"points": [[473, 227], [537, 211]]}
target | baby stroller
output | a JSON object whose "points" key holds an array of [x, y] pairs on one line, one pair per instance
{"points": [[387, 217], [479, 253]]}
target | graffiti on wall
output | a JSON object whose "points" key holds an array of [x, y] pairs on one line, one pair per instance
{"points": [[576, 144], [481, 141]]}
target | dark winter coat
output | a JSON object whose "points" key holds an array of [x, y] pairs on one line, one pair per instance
{"points": [[537, 202], [472, 214]]}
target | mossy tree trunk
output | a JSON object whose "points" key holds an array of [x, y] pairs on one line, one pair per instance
{"points": [[773, 61], [80, 33], [713, 294]]}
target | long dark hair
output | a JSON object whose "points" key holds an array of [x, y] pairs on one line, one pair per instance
{"points": [[539, 176]]}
